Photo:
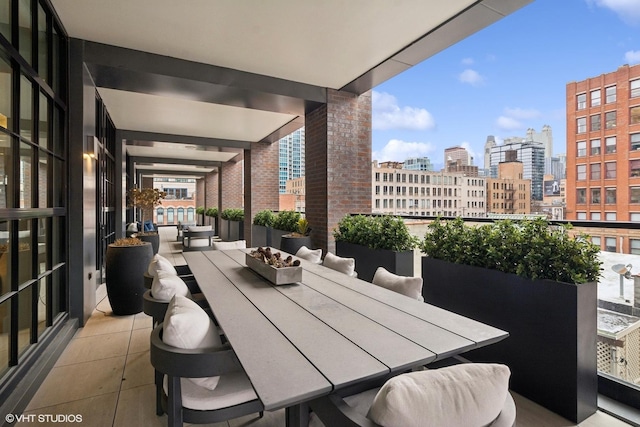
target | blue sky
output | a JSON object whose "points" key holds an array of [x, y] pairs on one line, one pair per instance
{"points": [[506, 78]]}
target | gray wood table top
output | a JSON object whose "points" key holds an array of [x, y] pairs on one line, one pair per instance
{"points": [[327, 332]]}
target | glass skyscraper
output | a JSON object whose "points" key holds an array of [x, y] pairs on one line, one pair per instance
{"points": [[291, 158]]}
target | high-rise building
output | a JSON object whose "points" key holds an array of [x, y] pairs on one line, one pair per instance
{"points": [[418, 164], [509, 193], [453, 154], [530, 153], [291, 158], [491, 142], [545, 137], [603, 146]]}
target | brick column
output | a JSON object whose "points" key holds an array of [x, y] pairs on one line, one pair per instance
{"points": [[210, 190], [230, 191], [337, 163], [261, 172]]}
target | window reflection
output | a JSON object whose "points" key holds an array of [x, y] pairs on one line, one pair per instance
{"points": [[24, 22], [5, 21], [26, 110], [43, 51], [6, 161], [5, 259], [6, 76], [26, 174], [43, 121], [43, 233], [42, 305], [25, 310], [43, 179], [5, 327], [25, 250]]}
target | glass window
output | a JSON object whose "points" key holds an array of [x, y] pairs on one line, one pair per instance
{"points": [[43, 121], [634, 193], [25, 251], [595, 195], [634, 115], [610, 94], [610, 170], [582, 215], [635, 216], [170, 212], [5, 260], [634, 246], [595, 122], [58, 249], [582, 101], [160, 215], [6, 76], [5, 30], [595, 97], [43, 179], [581, 195], [582, 148], [6, 175], [595, 171], [596, 240], [5, 328], [610, 195], [610, 244], [635, 141], [610, 216], [610, 120], [180, 214], [24, 22], [26, 174], [634, 168], [42, 305], [635, 88], [26, 110], [595, 216], [610, 143], [582, 172], [595, 147], [56, 184], [582, 124], [43, 48], [190, 214]]}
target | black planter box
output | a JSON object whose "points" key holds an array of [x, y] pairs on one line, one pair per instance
{"points": [[551, 349], [260, 235], [291, 244], [224, 229], [125, 268], [368, 260], [236, 231], [276, 238]]}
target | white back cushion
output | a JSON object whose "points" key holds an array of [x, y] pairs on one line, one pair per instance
{"points": [[225, 246], [313, 255], [409, 286], [199, 228], [186, 325], [343, 265], [158, 262], [165, 285], [463, 395], [132, 226]]}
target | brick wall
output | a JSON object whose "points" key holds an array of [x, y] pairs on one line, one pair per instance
{"points": [[230, 189], [261, 173], [338, 163]]}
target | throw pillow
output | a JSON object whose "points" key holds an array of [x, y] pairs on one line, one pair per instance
{"points": [[186, 325], [469, 394], [158, 262], [343, 265], [165, 285], [148, 226], [133, 227], [409, 286], [313, 255]]}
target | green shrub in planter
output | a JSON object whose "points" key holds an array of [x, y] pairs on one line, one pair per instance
{"points": [[233, 214], [211, 212], [375, 232], [264, 218], [200, 210], [287, 221], [532, 249]]}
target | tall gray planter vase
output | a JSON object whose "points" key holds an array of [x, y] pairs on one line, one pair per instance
{"points": [[552, 344], [125, 268], [154, 239]]}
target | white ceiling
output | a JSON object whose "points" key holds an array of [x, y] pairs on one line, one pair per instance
{"points": [[321, 44]]}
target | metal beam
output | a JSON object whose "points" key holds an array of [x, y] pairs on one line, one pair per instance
{"points": [[146, 172], [285, 130], [134, 135], [175, 161]]}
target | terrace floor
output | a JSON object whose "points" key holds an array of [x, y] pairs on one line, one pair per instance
{"points": [[105, 375]]}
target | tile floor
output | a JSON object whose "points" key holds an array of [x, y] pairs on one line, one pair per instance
{"points": [[105, 375]]}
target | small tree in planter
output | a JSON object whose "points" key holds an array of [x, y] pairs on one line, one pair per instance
{"points": [[300, 237], [537, 283], [285, 222], [261, 228], [232, 228], [147, 199], [376, 241]]}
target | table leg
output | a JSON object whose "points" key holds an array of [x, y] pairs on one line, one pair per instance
{"points": [[297, 416]]}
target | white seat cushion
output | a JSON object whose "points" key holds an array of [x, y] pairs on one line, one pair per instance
{"points": [[225, 246], [462, 395], [132, 227], [233, 389], [158, 262], [186, 325], [409, 286], [313, 255], [165, 285], [343, 265], [199, 228]]}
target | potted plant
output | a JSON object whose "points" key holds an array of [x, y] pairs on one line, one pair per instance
{"points": [[126, 262], [261, 228], [147, 199], [200, 213], [212, 214], [376, 241], [537, 283], [232, 224], [285, 222], [293, 241]]}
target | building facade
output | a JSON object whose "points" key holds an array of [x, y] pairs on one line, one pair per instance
{"points": [[418, 164], [291, 161], [458, 155], [603, 146], [401, 191], [530, 153], [510, 193]]}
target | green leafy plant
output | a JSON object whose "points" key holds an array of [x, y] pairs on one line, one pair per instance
{"points": [[532, 248], [303, 227], [264, 218], [375, 232], [212, 212], [287, 221], [200, 210], [233, 214]]}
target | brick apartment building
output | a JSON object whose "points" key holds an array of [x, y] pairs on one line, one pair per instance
{"points": [[603, 147], [510, 193]]}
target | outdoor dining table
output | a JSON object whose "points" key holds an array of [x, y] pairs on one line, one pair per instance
{"points": [[328, 332]]}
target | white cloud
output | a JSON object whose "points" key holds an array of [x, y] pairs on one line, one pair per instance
{"points": [[627, 10], [508, 123], [387, 114], [632, 57], [471, 77], [467, 61], [522, 114], [398, 151], [472, 153]]}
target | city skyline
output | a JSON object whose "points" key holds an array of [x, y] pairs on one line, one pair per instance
{"points": [[503, 80]]}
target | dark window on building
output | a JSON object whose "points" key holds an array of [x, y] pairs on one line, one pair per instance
{"points": [[610, 120], [610, 94], [581, 195], [595, 122]]}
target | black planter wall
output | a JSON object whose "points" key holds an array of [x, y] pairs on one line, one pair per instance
{"points": [[291, 244], [551, 348], [260, 235], [236, 231], [125, 268], [276, 237], [368, 260], [224, 229]]}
